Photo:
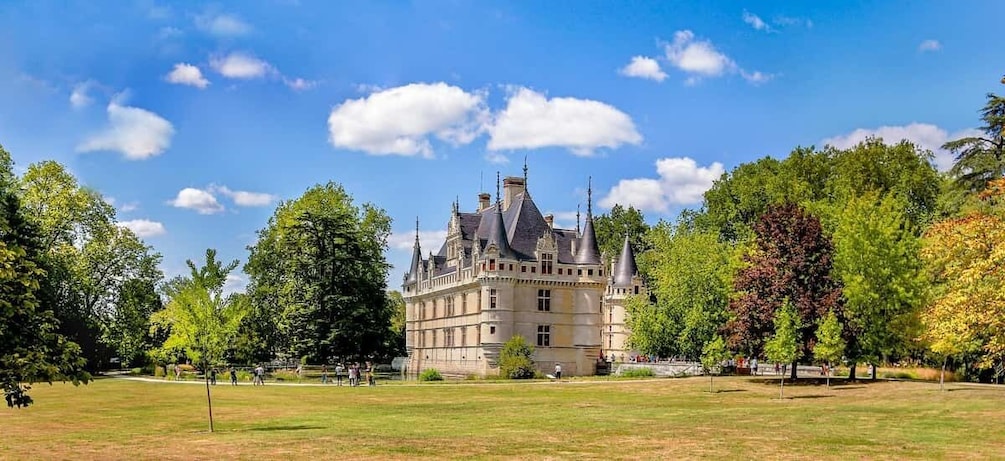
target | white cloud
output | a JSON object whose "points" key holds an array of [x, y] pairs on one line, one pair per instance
{"points": [[222, 25], [564, 219], [531, 120], [245, 198], [137, 133], [128, 207], [429, 240], [400, 120], [681, 182], [755, 21], [204, 202], [187, 74], [756, 77], [699, 58], [924, 135], [79, 97], [496, 158], [240, 65], [234, 284], [299, 84], [790, 21], [144, 228], [643, 67], [930, 45]]}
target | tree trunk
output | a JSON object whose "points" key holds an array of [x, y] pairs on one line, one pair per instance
{"points": [[942, 376], [710, 383], [795, 365], [828, 374], [851, 371], [209, 401], [873, 371], [781, 387]]}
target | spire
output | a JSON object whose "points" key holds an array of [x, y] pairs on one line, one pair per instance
{"points": [[525, 171], [625, 269], [457, 205], [497, 234], [577, 220], [413, 271], [587, 252]]}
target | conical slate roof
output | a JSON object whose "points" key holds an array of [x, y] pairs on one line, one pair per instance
{"points": [[588, 252], [497, 234], [413, 271], [625, 269]]}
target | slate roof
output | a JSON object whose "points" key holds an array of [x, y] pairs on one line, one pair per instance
{"points": [[625, 268]]}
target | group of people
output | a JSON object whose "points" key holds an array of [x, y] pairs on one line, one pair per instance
{"points": [[354, 372]]}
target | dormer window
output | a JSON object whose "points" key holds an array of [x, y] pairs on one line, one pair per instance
{"points": [[546, 263], [492, 264]]}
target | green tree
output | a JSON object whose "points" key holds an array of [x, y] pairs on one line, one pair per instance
{"points": [[878, 263], [612, 226], [129, 330], [396, 304], [981, 159], [712, 356], [830, 345], [516, 359], [31, 349], [201, 321], [783, 347], [320, 265], [690, 274]]}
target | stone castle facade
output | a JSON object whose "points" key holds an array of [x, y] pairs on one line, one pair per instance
{"points": [[506, 270]]}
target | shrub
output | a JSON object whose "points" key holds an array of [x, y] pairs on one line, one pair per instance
{"points": [[286, 375], [430, 374], [644, 372], [136, 371], [159, 371], [515, 360], [244, 375]]}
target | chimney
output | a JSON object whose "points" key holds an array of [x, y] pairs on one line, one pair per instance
{"points": [[483, 200], [512, 186], [550, 219]]}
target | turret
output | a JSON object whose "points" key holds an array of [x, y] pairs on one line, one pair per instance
{"points": [[413, 271], [625, 269], [587, 252]]}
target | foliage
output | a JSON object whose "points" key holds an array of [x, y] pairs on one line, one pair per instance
{"points": [[130, 323], [712, 356], [783, 347], [638, 372], [792, 261], [690, 276], [317, 278], [830, 346], [396, 339], [883, 286], [612, 226], [980, 159], [430, 374], [516, 359]]}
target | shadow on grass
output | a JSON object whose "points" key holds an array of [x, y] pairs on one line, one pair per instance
{"points": [[836, 383], [300, 427], [813, 396], [726, 391]]}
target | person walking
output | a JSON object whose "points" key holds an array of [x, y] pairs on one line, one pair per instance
{"points": [[369, 374], [753, 366], [233, 376], [558, 371], [212, 376], [324, 374], [339, 369]]}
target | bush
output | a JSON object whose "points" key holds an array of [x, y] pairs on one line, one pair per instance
{"points": [[159, 371], [286, 375], [430, 374], [515, 360], [644, 372], [136, 371], [244, 375]]}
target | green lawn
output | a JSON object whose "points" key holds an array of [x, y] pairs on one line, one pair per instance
{"points": [[651, 419]]}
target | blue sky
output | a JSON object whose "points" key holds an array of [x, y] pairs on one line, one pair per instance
{"points": [[195, 119]]}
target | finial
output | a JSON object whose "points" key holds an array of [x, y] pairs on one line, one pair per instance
{"points": [[577, 219], [525, 171], [589, 198], [498, 200], [416, 227]]}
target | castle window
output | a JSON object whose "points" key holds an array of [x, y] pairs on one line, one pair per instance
{"points": [[523, 268], [559, 271], [546, 261], [433, 342], [448, 337], [636, 289], [464, 336], [464, 303], [544, 300], [492, 298], [422, 311], [492, 330], [589, 272], [448, 303], [510, 267], [492, 264], [544, 335], [601, 273], [533, 269], [579, 272]]}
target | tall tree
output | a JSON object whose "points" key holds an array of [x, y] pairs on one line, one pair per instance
{"points": [[321, 260], [396, 304], [980, 159], [783, 347], [31, 349], [830, 345], [129, 331], [201, 321], [792, 260], [612, 226], [690, 277]]}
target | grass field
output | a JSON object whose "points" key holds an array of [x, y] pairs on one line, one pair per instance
{"points": [[646, 419]]}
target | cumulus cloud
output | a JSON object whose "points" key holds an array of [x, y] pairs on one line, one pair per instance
{"points": [[531, 121], [222, 25], [187, 74], [793, 21], [202, 201], [698, 58], [681, 181], [429, 240], [144, 228], [496, 158], [400, 120], [79, 97], [135, 132], [930, 45], [755, 21], [756, 77], [299, 84], [234, 284], [241, 66], [644, 67], [924, 135], [245, 198]]}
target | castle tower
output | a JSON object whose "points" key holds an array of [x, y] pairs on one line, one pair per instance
{"points": [[623, 283]]}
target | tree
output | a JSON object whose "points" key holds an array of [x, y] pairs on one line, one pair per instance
{"points": [[31, 349], [396, 304], [712, 356], [611, 228], [830, 345], [690, 275], [516, 359], [981, 159], [320, 265], [129, 331], [791, 261], [201, 321], [783, 347], [883, 285]]}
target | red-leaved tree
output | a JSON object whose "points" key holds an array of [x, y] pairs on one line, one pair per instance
{"points": [[792, 260]]}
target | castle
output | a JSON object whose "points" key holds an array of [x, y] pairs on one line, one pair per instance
{"points": [[506, 270]]}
